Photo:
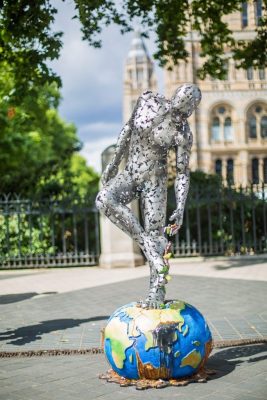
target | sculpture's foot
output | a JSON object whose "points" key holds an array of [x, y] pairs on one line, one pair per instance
{"points": [[150, 304], [155, 298]]}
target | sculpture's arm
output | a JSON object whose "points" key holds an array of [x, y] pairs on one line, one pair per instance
{"points": [[121, 150], [182, 180]]}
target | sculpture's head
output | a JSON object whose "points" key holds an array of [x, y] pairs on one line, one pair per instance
{"points": [[185, 100]]}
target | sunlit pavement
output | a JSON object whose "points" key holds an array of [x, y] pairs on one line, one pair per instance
{"points": [[56, 316]]}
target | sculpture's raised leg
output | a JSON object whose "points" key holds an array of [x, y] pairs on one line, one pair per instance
{"points": [[112, 202]]}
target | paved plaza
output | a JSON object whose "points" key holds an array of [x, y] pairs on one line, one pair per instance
{"points": [[67, 308]]}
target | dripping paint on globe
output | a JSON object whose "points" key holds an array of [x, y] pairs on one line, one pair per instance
{"points": [[170, 343]]}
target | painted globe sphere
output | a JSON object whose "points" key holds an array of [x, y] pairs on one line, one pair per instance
{"points": [[172, 342]]}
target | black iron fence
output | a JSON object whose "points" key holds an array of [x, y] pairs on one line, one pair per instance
{"points": [[223, 221], [217, 221], [39, 233]]}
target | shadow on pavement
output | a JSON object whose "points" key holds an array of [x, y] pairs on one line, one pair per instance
{"points": [[225, 361], [239, 263], [28, 334], [14, 298]]}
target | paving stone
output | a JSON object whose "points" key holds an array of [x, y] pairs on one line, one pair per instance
{"points": [[73, 320]]}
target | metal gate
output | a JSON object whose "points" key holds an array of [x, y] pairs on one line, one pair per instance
{"points": [[41, 233]]}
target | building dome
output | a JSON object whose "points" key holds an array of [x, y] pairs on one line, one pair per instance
{"points": [[138, 51]]}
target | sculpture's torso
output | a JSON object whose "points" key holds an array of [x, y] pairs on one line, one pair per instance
{"points": [[152, 134]]}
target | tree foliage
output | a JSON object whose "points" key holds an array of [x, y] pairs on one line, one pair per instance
{"points": [[171, 21], [37, 147], [27, 40], [76, 180]]}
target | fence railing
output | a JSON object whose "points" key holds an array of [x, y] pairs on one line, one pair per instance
{"points": [[217, 221], [224, 221], [39, 233]]}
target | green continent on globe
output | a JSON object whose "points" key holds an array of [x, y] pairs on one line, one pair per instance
{"points": [[116, 332], [171, 342]]}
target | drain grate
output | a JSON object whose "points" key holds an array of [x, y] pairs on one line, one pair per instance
{"points": [[219, 344]]}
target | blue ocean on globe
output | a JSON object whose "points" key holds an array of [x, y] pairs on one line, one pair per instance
{"points": [[171, 342]]}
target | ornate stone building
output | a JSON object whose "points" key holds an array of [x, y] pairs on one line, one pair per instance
{"points": [[230, 126]]}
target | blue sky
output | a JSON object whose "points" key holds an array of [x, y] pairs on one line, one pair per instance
{"points": [[92, 82]]}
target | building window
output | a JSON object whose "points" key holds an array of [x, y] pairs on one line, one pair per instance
{"points": [[226, 70], [218, 167], [139, 76], [262, 74], [227, 130], [264, 127], [255, 170], [265, 170], [258, 11], [252, 127], [244, 15], [257, 121], [221, 124], [230, 171], [250, 74], [215, 129]]}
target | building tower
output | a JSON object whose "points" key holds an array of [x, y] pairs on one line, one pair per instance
{"points": [[118, 249], [138, 74]]}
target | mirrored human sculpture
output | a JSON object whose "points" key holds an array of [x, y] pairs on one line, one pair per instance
{"points": [[156, 125]]}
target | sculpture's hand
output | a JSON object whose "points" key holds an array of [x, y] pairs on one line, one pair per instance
{"points": [[178, 220], [109, 173]]}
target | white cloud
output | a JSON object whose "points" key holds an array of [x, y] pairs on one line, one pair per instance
{"points": [[92, 78], [92, 151]]}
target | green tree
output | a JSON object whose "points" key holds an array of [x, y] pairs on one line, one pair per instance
{"points": [[77, 180], [34, 140], [27, 40], [84, 180], [37, 147]]}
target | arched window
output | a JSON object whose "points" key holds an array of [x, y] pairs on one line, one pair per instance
{"points": [[230, 171], [264, 126], [265, 170], [215, 129], [258, 11], [139, 76], [218, 167], [255, 170], [244, 15], [257, 121], [227, 130], [250, 73], [262, 74], [252, 127], [221, 124]]}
